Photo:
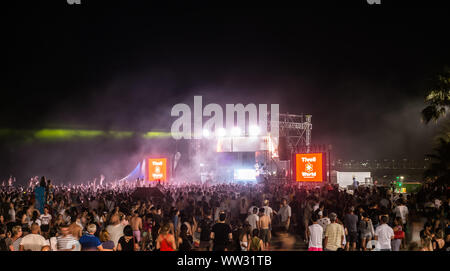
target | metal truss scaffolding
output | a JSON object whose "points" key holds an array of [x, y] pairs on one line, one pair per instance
{"points": [[297, 131]]}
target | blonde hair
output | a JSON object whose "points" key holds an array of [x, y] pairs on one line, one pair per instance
{"points": [[104, 236], [165, 229], [92, 228], [15, 230]]}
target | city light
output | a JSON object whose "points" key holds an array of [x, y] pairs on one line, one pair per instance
{"points": [[205, 133]]}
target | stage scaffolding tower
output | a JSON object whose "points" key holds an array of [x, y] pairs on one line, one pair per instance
{"points": [[297, 131]]}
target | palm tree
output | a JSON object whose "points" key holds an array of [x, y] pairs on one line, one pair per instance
{"points": [[440, 166], [438, 98], [438, 104]]}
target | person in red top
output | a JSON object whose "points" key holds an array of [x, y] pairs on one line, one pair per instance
{"points": [[165, 240]]}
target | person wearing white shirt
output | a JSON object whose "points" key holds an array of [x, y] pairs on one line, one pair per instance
{"points": [[402, 211], [33, 241], [267, 210], [253, 219], [315, 234], [285, 214], [250, 210], [384, 234], [115, 230], [324, 221]]}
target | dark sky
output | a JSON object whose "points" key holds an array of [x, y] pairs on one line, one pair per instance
{"points": [[362, 73]]}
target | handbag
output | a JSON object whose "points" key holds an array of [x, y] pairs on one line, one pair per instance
{"points": [[399, 234]]}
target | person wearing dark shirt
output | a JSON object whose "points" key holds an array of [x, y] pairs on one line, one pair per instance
{"points": [[105, 238], [221, 234], [205, 231], [127, 242], [350, 222], [374, 215], [185, 240], [157, 220]]}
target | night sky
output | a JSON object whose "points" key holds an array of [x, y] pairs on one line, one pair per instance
{"points": [[362, 73]]}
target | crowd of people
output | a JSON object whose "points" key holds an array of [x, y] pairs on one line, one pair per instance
{"points": [[232, 217]]}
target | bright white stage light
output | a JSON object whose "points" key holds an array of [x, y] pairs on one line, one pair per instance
{"points": [[221, 132], [254, 130], [205, 133], [245, 175], [236, 131]]}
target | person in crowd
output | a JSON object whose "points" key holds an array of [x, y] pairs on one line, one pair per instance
{"points": [[136, 225], [205, 228], [427, 232], [350, 223], [45, 220], [12, 212], [245, 237], [384, 234], [264, 226], [334, 234], [39, 193], [221, 234], [438, 242], [65, 240], [165, 241], [185, 241], [256, 243], [105, 238], [285, 214], [315, 233], [90, 242], [3, 239], [74, 228], [324, 220], [243, 207], [253, 219], [112, 207], [115, 229], [16, 238], [399, 234], [366, 230], [426, 243], [33, 241], [401, 211], [128, 241], [34, 219]]}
